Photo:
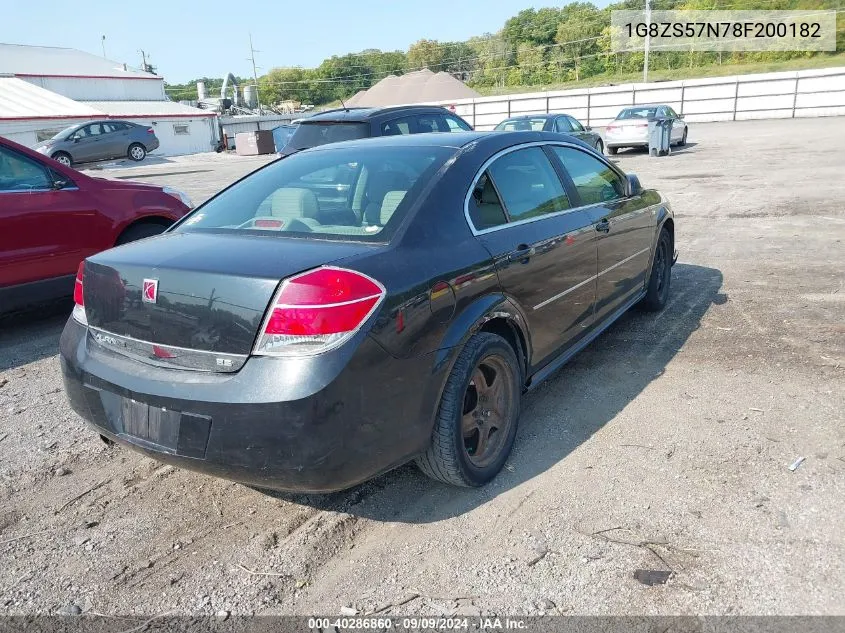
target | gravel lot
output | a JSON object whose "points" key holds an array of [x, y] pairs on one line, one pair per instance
{"points": [[663, 446]]}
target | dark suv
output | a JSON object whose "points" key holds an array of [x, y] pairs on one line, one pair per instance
{"points": [[346, 124]]}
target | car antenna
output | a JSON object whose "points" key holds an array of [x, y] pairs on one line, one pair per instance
{"points": [[344, 105]]}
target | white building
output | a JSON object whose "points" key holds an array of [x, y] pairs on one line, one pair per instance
{"points": [[44, 90]]}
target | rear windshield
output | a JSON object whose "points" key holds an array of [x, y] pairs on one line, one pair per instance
{"points": [[637, 113], [323, 132], [356, 193], [512, 125]]}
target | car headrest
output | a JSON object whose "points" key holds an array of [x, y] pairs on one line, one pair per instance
{"points": [[292, 202], [392, 199]]}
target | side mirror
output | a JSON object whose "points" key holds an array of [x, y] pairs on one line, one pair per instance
{"points": [[588, 128], [634, 186], [75, 139]]}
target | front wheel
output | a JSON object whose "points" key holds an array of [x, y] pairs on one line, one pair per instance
{"points": [[477, 419], [657, 292], [139, 232], [683, 139], [612, 150], [63, 158], [599, 146], [137, 152]]}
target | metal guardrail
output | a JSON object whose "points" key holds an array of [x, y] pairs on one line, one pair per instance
{"points": [[628, 93]]}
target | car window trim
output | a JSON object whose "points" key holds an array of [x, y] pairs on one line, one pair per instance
{"points": [[514, 148]]}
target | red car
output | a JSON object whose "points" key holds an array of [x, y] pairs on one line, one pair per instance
{"points": [[52, 217]]}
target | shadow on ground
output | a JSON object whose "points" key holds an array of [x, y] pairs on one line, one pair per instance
{"points": [[31, 334], [600, 382]]}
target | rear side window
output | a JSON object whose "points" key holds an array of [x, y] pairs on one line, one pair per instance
{"points": [[485, 206], [427, 123], [358, 193], [528, 184], [595, 181], [323, 132], [19, 173]]}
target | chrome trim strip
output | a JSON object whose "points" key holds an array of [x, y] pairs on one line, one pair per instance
{"points": [[586, 281], [183, 358], [514, 148], [564, 293]]}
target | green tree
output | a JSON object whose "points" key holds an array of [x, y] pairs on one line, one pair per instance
{"points": [[429, 54]]}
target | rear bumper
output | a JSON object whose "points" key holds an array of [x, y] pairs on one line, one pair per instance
{"points": [[621, 143], [308, 425], [153, 144]]}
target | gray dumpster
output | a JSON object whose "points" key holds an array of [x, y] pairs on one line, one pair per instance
{"points": [[659, 131]]}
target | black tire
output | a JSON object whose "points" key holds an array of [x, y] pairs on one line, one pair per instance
{"points": [[139, 232], [599, 146], [450, 458], [137, 152], [683, 138], [612, 150], [657, 292], [64, 158]]}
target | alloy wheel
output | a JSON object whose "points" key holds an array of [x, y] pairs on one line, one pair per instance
{"points": [[487, 415]]}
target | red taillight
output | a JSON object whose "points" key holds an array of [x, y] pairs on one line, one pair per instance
{"points": [[268, 224], [79, 296], [150, 130], [317, 311]]}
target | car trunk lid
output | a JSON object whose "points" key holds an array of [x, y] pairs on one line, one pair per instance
{"points": [[202, 302]]}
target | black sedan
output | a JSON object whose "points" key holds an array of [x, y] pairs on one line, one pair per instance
{"points": [[561, 123], [359, 305]]}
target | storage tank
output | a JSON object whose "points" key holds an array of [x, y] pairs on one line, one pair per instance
{"points": [[251, 96], [201, 91]]}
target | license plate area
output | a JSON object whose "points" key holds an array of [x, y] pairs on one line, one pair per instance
{"points": [[157, 428]]}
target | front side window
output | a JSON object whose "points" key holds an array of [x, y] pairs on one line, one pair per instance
{"points": [[357, 193], [397, 126], [19, 173], [456, 125], [595, 181], [576, 125], [528, 184], [428, 123], [563, 125]]}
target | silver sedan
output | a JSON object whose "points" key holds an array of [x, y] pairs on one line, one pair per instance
{"points": [[630, 127]]}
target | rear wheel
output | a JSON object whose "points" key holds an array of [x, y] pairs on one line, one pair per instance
{"points": [[612, 150], [477, 420], [63, 158], [657, 293], [139, 232], [137, 152]]}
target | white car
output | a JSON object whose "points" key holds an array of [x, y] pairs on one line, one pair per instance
{"points": [[630, 127]]}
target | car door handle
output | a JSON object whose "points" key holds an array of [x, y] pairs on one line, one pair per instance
{"points": [[522, 253], [603, 226]]}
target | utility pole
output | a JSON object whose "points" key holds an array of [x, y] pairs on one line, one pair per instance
{"points": [[252, 53], [103, 42], [647, 39], [144, 60]]}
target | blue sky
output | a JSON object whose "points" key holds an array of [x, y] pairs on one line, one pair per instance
{"points": [[187, 39]]}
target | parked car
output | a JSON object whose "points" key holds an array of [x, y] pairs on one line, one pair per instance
{"points": [[100, 140], [281, 135], [346, 124], [52, 217], [299, 343], [562, 123], [630, 127]]}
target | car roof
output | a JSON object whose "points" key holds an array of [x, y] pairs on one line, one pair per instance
{"points": [[456, 140], [365, 114]]}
